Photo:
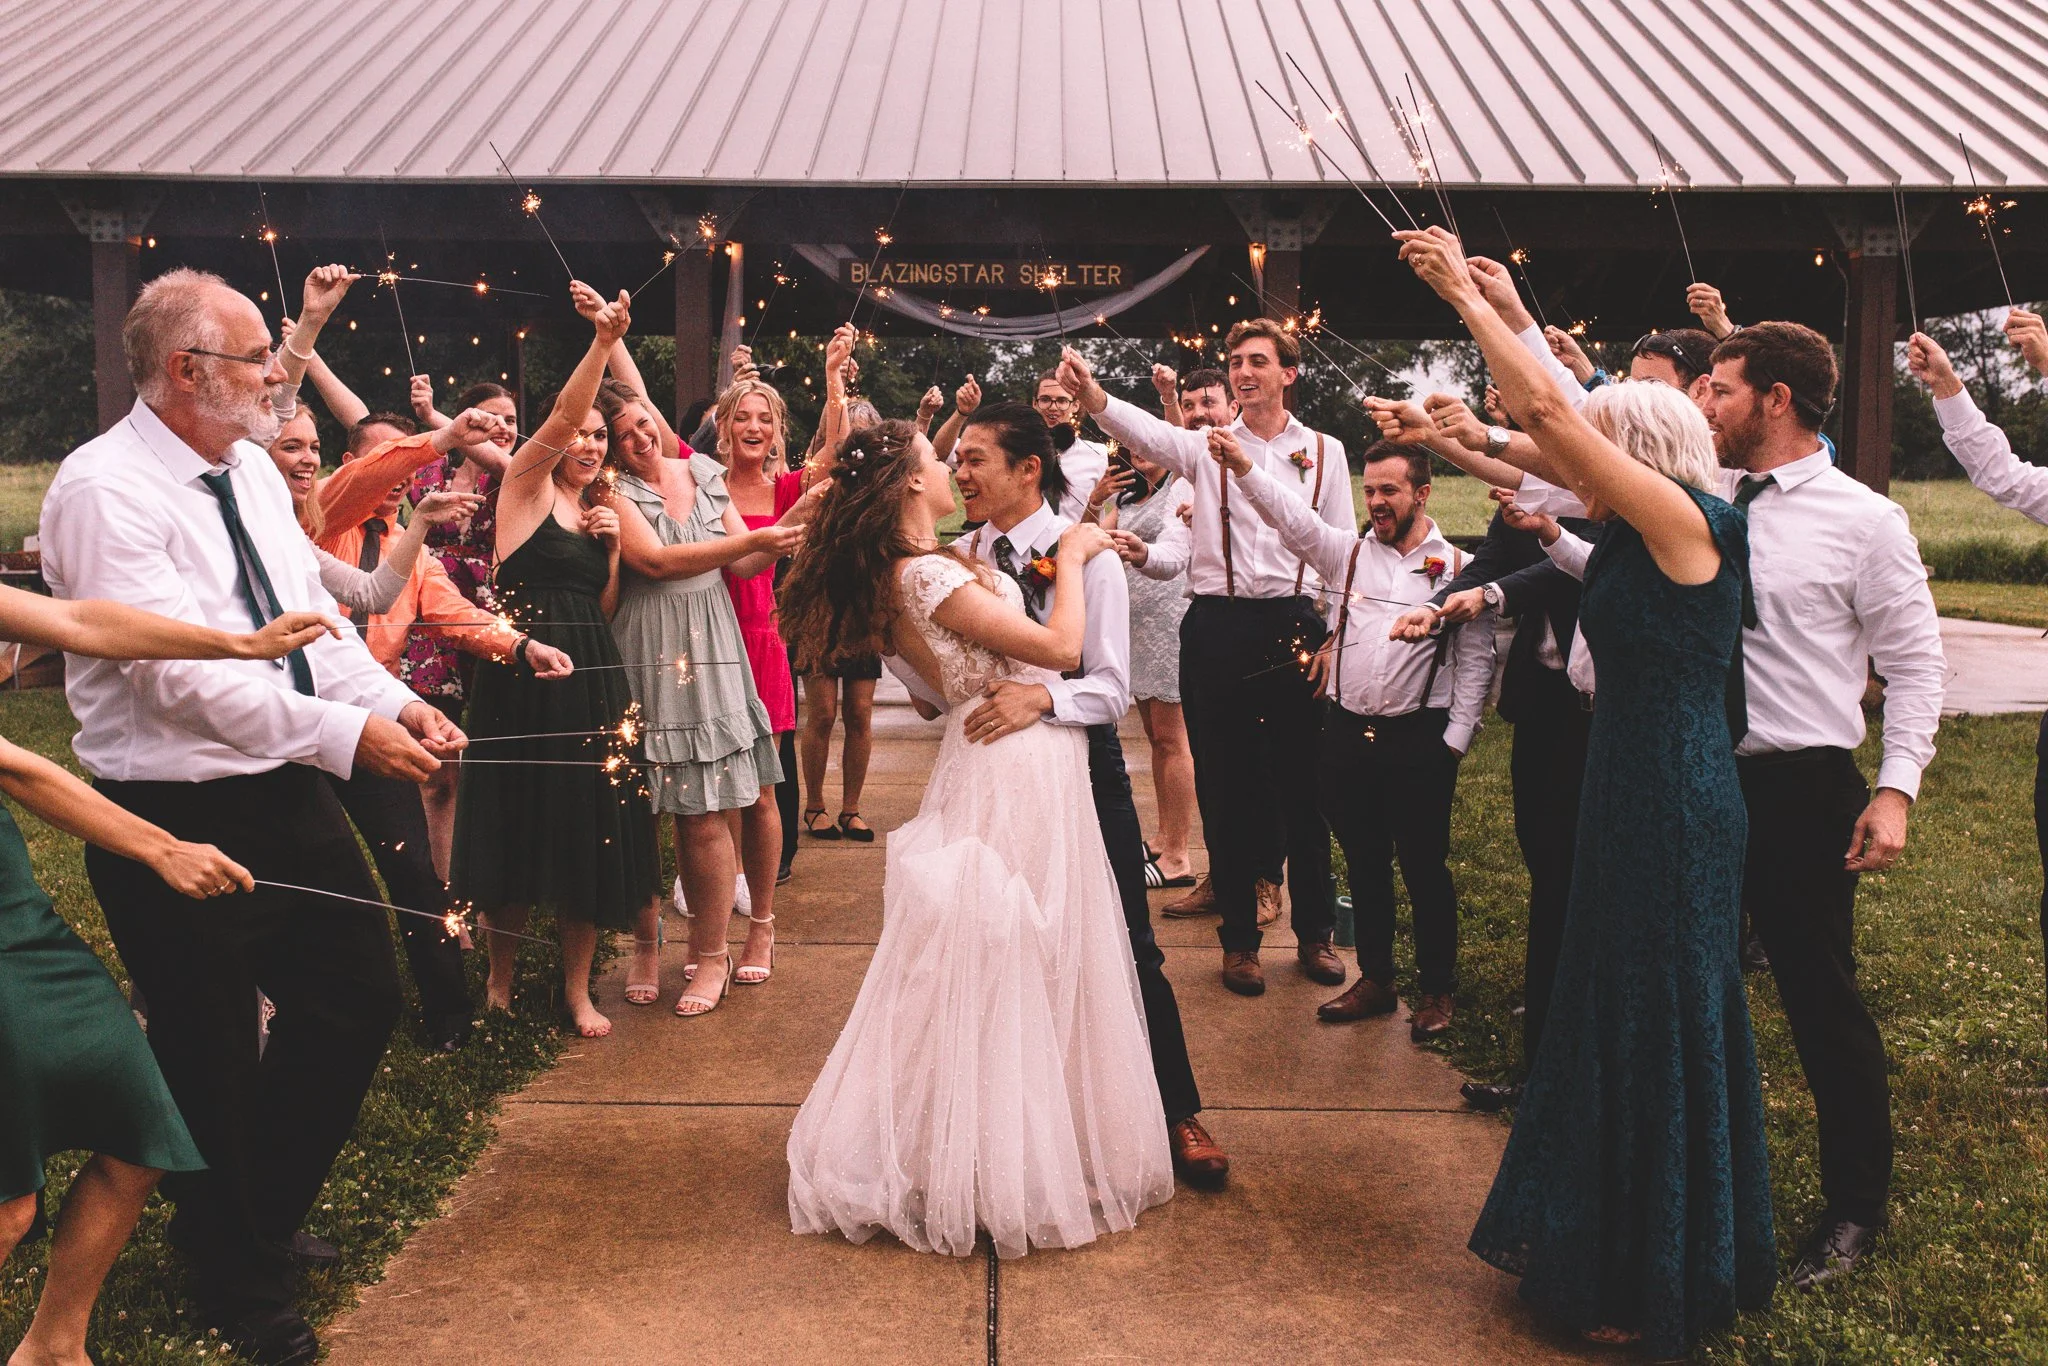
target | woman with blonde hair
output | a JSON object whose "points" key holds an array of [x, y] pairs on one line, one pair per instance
{"points": [[1634, 1197]]}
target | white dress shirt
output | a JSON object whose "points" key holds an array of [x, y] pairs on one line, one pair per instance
{"points": [[1101, 693], [1985, 453], [127, 519], [1380, 676], [1838, 585], [1570, 553], [1083, 463], [1264, 567], [1532, 340]]}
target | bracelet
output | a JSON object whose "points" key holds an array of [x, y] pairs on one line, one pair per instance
{"points": [[306, 356]]}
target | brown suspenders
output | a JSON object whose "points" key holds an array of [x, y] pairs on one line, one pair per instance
{"points": [[1443, 641], [1223, 515], [1301, 569]]}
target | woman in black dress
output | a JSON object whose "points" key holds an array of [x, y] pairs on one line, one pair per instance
{"points": [[554, 816]]}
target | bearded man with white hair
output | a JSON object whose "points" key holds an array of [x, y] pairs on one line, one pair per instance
{"points": [[178, 509]]}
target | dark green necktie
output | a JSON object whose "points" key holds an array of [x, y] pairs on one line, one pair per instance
{"points": [[257, 594], [1751, 489]]}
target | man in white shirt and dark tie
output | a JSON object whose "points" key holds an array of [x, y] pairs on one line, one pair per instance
{"points": [[1403, 716], [1252, 711], [178, 509], [1838, 588]]}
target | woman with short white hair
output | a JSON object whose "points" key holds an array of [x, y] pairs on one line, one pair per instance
{"points": [[1634, 1197]]}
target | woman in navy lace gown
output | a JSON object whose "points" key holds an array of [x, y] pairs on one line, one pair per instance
{"points": [[1634, 1197]]}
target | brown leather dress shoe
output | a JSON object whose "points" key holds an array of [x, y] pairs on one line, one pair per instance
{"points": [[1201, 901], [1196, 1156], [1430, 1018], [1320, 963], [1242, 974], [1269, 903], [1365, 998]]}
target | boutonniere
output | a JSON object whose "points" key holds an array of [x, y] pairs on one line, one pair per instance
{"points": [[1433, 566], [1302, 463], [1039, 572]]}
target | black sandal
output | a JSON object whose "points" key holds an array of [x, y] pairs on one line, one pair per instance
{"points": [[830, 832], [860, 834]]}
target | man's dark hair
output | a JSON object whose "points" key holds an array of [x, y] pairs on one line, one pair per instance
{"points": [[1039, 383], [1690, 350], [1415, 458], [1789, 354], [1021, 432], [1208, 377], [483, 392], [358, 435]]}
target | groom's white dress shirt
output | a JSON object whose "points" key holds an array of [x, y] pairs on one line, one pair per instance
{"points": [[128, 519]]}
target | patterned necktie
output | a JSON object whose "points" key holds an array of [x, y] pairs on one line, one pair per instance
{"points": [[1006, 560], [1006, 556], [257, 594]]}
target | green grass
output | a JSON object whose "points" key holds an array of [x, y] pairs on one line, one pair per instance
{"points": [[2018, 604], [1953, 510], [21, 500], [1950, 950], [426, 1119]]}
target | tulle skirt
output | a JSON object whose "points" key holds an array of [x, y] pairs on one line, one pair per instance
{"points": [[994, 1073]]}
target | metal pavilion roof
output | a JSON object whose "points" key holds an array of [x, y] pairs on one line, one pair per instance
{"points": [[1740, 94]]}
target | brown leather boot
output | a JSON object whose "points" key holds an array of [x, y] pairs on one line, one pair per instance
{"points": [[1241, 972], [1431, 1018], [1196, 1156], [1320, 963], [1269, 903], [1365, 998], [1201, 901]]}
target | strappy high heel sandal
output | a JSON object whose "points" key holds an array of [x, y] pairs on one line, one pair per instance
{"points": [[811, 827], [647, 993], [752, 976], [690, 1006], [859, 834]]}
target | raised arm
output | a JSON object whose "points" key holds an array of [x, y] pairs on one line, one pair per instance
{"points": [[1166, 384], [641, 551], [623, 368], [341, 400], [1438, 424], [353, 492], [965, 400], [325, 288], [1981, 448], [1303, 533], [1671, 524], [1159, 441], [527, 486]]}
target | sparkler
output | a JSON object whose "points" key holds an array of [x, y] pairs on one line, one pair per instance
{"points": [[1049, 280], [884, 235], [1302, 325], [482, 288], [269, 235], [781, 279], [1372, 168], [1906, 253], [529, 204], [1664, 174], [1421, 130], [453, 922], [1982, 208], [1308, 141], [1520, 260], [389, 276], [1102, 321], [668, 258]]}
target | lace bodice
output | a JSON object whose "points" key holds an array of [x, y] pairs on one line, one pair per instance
{"points": [[965, 668]]}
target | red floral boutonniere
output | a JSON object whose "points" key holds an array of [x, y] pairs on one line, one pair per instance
{"points": [[1302, 463], [1433, 566], [1040, 571]]}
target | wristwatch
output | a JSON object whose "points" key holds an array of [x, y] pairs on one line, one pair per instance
{"points": [[1496, 441], [1494, 597]]}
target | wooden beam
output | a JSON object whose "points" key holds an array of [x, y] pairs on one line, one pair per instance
{"points": [[1281, 297], [1866, 394], [116, 279], [694, 332]]}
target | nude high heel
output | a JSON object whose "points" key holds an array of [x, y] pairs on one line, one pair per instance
{"points": [[752, 976], [690, 1007]]}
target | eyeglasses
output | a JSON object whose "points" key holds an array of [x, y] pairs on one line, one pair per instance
{"points": [[1659, 344], [262, 359], [1055, 401]]}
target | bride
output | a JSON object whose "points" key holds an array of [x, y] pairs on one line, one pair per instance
{"points": [[994, 1072]]}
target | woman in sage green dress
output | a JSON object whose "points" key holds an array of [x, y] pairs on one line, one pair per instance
{"points": [[1634, 1197], [710, 746], [75, 1069]]}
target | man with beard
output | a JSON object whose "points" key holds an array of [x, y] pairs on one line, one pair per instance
{"points": [[1839, 587], [175, 510], [1404, 715]]}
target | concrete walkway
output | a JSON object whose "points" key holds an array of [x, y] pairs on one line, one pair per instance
{"points": [[632, 1207], [1994, 668]]}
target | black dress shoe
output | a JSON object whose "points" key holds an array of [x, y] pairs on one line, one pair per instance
{"points": [[315, 1252], [1833, 1248], [271, 1337], [449, 1035], [1754, 959], [783, 874], [1489, 1097]]}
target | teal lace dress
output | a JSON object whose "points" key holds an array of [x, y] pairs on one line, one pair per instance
{"points": [[1635, 1190]]}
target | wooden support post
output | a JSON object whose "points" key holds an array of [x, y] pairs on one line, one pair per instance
{"points": [[1281, 285], [116, 279], [1866, 394], [695, 334]]}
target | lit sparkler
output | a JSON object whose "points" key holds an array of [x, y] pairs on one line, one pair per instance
{"points": [[761, 320], [884, 235], [404, 332], [1307, 139], [1906, 253], [1520, 260], [529, 204], [1421, 132], [1665, 173], [269, 236], [1982, 209], [454, 922], [1371, 167], [668, 258]]}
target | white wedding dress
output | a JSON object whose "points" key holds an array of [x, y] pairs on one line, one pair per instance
{"points": [[994, 1073]]}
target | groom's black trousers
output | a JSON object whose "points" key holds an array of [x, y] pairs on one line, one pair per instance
{"points": [[1126, 846]]}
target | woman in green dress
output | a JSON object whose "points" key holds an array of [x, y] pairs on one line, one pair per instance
{"points": [[551, 814], [710, 746], [75, 1069]]}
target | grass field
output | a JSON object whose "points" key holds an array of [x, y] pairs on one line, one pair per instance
{"points": [[21, 501], [2019, 604]]}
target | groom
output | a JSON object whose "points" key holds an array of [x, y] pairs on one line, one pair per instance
{"points": [[1007, 473]]}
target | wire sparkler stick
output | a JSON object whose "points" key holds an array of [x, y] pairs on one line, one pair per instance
{"points": [[1421, 130], [1308, 140], [1313, 322], [529, 204], [270, 240], [391, 275], [884, 235], [404, 332], [1906, 253], [1664, 173], [1981, 207], [781, 279], [1102, 321], [453, 922], [1520, 261], [1371, 167], [668, 258]]}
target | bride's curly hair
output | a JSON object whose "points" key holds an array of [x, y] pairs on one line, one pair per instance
{"points": [[839, 599]]}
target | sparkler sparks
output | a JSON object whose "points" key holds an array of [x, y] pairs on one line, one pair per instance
{"points": [[404, 332], [453, 921], [1307, 140], [529, 204], [1665, 174], [1981, 208], [1519, 257], [269, 236], [884, 235]]}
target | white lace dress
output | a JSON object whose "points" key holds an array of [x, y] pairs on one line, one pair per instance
{"points": [[994, 1072]]}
